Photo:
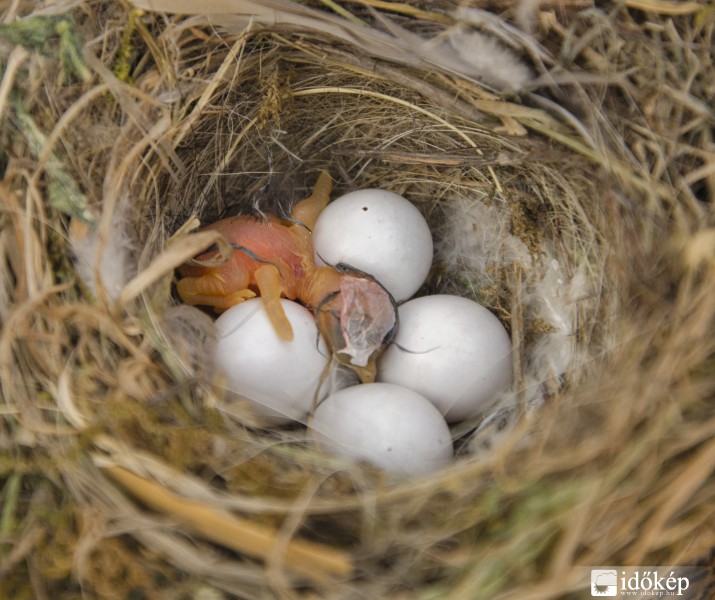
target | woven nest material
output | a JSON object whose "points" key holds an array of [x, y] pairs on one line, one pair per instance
{"points": [[568, 184]]}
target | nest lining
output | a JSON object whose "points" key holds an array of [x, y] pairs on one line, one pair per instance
{"points": [[511, 216], [374, 135]]}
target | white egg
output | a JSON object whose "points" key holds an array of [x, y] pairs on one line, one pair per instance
{"points": [[451, 350], [388, 425], [279, 378], [378, 232]]}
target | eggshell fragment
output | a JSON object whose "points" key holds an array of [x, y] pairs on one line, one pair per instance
{"points": [[451, 350], [388, 425], [380, 233], [279, 378]]}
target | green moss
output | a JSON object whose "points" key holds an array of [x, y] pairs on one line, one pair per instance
{"points": [[51, 36], [62, 190]]}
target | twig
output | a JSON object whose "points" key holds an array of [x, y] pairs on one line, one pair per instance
{"points": [[312, 560]]}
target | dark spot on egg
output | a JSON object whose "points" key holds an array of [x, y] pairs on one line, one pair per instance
{"points": [[364, 208]]}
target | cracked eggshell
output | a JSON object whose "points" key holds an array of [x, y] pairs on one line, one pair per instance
{"points": [[378, 232], [451, 350], [388, 425], [278, 378]]}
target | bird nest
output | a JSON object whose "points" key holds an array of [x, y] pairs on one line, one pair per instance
{"points": [[568, 185]]}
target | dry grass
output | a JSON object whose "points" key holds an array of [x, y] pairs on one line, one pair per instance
{"points": [[122, 468]]}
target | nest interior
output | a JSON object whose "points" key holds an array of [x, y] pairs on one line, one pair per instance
{"points": [[578, 212]]}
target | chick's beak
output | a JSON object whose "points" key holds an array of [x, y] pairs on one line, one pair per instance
{"points": [[331, 329], [356, 323], [367, 373]]}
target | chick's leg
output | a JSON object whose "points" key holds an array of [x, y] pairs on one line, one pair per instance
{"points": [[214, 289], [270, 286], [307, 211]]}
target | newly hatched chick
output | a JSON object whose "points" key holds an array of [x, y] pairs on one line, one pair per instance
{"points": [[273, 258]]}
